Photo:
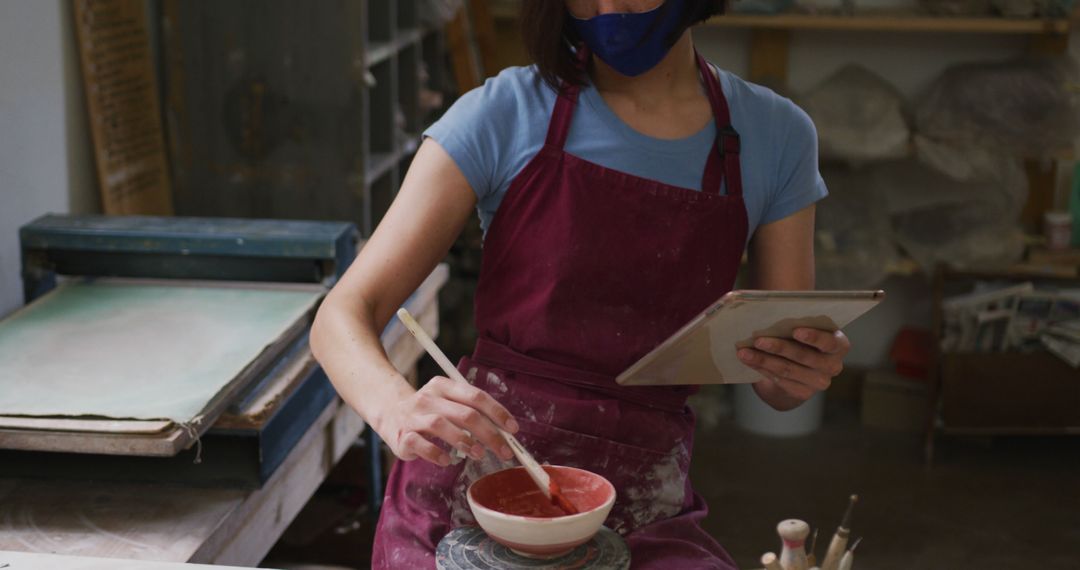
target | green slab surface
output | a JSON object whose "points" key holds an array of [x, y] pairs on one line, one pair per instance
{"points": [[131, 350]]}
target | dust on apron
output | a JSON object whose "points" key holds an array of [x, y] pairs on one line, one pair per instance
{"points": [[584, 270]]}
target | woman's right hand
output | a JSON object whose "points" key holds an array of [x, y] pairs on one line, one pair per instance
{"points": [[460, 414]]}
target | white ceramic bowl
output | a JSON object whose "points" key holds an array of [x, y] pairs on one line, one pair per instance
{"points": [[512, 510]]}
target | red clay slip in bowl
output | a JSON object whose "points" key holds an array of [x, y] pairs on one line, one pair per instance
{"points": [[512, 510]]}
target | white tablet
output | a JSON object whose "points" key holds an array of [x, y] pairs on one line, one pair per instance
{"points": [[703, 351]]}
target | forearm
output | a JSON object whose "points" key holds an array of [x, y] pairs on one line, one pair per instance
{"points": [[345, 341], [431, 207], [429, 211]]}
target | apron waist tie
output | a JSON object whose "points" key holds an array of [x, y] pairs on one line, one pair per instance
{"points": [[497, 355]]}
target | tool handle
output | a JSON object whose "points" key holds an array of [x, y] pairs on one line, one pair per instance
{"points": [[836, 550], [793, 533], [847, 561], [793, 530], [811, 557], [770, 561]]}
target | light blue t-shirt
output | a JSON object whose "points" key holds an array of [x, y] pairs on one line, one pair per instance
{"points": [[493, 131]]}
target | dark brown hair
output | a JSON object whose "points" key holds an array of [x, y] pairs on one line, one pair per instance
{"points": [[548, 35]]}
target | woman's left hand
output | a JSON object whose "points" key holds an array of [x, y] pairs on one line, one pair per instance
{"points": [[796, 369]]}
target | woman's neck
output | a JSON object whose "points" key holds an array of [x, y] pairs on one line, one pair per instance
{"points": [[666, 102], [676, 75]]}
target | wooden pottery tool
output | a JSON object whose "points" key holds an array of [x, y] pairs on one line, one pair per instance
{"points": [[793, 533], [770, 562], [840, 539], [811, 556], [848, 559], [548, 486]]}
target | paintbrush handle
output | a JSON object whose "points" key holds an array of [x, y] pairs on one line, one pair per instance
{"points": [[542, 479], [429, 345]]}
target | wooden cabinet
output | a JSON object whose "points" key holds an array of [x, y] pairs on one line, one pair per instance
{"points": [[1009, 393]]}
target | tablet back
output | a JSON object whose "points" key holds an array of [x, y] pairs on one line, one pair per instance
{"points": [[703, 351]]}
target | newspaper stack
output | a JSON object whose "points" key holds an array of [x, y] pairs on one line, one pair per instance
{"points": [[1063, 339], [1015, 318]]}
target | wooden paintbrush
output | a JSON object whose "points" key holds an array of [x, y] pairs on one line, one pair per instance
{"points": [[547, 485]]}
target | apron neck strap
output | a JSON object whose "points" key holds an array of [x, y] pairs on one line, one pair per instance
{"points": [[723, 161], [565, 101]]}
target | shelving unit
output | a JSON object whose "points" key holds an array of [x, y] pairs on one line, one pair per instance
{"points": [[284, 110], [976, 392], [893, 22], [771, 34]]}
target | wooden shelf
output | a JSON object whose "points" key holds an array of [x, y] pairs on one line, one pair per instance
{"points": [[903, 267], [893, 22], [381, 163], [1018, 272], [407, 37], [871, 21], [1062, 154], [378, 164], [411, 143], [379, 52]]}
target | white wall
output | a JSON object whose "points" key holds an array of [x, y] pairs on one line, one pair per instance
{"points": [[45, 157], [911, 62]]}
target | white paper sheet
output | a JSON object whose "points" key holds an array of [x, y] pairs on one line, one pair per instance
{"points": [[133, 350]]}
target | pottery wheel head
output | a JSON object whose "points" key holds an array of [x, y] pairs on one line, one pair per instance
{"points": [[469, 548]]}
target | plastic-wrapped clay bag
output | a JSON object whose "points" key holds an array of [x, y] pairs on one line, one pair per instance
{"points": [[966, 218], [1028, 107], [437, 13], [854, 246], [859, 116]]}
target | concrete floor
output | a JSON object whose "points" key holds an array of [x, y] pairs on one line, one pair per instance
{"points": [[1000, 503]]}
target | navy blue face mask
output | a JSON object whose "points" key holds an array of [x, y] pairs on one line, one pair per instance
{"points": [[631, 43]]}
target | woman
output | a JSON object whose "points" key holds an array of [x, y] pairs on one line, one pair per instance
{"points": [[618, 182]]}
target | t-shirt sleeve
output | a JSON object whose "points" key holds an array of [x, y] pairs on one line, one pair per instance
{"points": [[476, 131], [799, 183]]}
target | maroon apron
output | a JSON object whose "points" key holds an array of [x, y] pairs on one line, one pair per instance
{"points": [[584, 270]]}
